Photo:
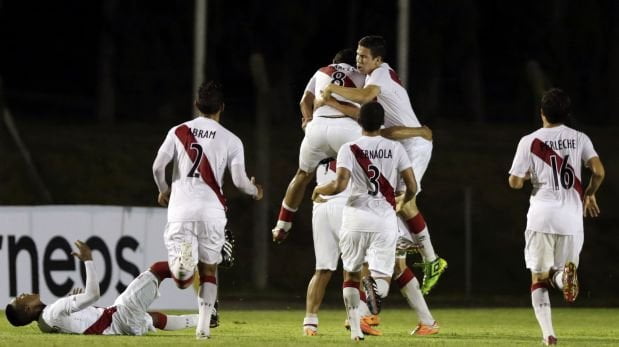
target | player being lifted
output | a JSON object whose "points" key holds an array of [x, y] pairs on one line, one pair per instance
{"points": [[326, 129], [201, 150], [552, 157], [382, 84], [369, 225], [75, 314]]}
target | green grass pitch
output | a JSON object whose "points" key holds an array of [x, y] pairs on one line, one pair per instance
{"points": [[459, 327]]}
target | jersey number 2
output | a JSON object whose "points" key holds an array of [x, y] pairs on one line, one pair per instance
{"points": [[375, 174], [196, 162], [563, 175]]}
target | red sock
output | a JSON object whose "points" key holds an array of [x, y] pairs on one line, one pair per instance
{"points": [[161, 269], [159, 320], [211, 279], [406, 276], [416, 224]]}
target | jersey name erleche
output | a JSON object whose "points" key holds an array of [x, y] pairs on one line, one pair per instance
{"points": [[554, 158], [393, 97], [340, 74], [375, 164], [202, 150]]}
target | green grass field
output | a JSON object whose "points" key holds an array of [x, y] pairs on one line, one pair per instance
{"points": [[459, 327]]}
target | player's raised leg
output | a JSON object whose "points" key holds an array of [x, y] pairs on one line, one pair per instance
{"points": [[290, 204]]}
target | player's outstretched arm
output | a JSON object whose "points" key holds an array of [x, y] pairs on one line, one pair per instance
{"points": [[597, 177], [401, 132], [334, 187], [351, 110], [243, 183], [358, 95], [91, 293], [307, 108]]}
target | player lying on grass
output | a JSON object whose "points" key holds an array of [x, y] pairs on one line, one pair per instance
{"points": [[77, 314]]}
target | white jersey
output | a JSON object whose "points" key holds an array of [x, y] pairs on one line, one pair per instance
{"points": [[63, 316], [393, 97], [202, 150], [341, 74], [375, 164], [554, 158], [325, 173]]}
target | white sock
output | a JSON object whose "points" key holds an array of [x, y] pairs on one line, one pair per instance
{"points": [[541, 307], [363, 309], [311, 321], [351, 302], [382, 287], [206, 301], [414, 297], [427, 251], [181, 322]]}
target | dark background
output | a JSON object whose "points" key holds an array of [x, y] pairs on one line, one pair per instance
{"points": [[94, 85]]}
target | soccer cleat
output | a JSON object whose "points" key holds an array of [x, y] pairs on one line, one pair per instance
{"points": [[431, 273], [227, 257], [310, 330], [279, 235], [570, 282], [365, 328], [425, 330], [202, 336], [371, 320], [373, 300], [215, 316], [550, 341]]}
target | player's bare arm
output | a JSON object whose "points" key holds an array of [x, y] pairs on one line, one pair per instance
{"points": [[307, 108], [358, 95], [591, 208], [411, 186], [348, 109], [334, 187], [402, 132]]}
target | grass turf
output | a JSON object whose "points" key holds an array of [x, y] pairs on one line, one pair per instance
{"points": [[459, 327]]}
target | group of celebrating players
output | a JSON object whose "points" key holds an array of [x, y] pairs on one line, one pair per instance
{"points": [[368, 152]]}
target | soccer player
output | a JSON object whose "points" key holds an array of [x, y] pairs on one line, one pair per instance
{"points": [[326, 224], [551, 158], [326, 129], [201, 150], [369, 226], [383, 84], [75, 314]]}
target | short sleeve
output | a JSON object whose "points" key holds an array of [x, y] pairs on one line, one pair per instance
{"points": [[345, 157], [403, 161], [377, 77], [521, 163], [588, 151]]}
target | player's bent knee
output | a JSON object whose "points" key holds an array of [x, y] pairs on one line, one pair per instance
{"points": [[183, 284]]}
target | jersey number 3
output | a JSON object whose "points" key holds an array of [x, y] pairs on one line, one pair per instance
{"points": [[374, 175], [196, 162]]}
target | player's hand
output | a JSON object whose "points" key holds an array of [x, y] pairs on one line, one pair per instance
{"points": [[260, 191], [591, 206], [279, 235], [84, 253], [304, 122], [164, 198], [76, 291], [399, 202], [426, 133], [316, 197], [326, 93]]}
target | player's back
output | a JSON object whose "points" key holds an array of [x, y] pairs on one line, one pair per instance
{"points": [[340, 74], [555, 156], [203, 149], [375, 164], [393, 97]]}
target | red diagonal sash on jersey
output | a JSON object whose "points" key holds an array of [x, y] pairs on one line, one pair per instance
{"points": [[383, 184], [184, 134], [394, 76], [544, 152], [104, 321], [330, 71]]}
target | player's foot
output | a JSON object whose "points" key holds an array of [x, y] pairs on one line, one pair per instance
{"points": [[373, 300], [215, 315], [424, 330], [356, 337], [371, 320], [570, 282], [365, 328], [310, 330], [202, 336], [550, 341], [432, 271]]}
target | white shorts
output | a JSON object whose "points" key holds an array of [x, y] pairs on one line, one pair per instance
{"points": [[419, 152], [375, 248], [543, 251], [131, 317], [326, 225], [206, 238], [323, 139]]}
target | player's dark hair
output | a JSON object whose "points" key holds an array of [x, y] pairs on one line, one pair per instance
{"points": [[556, 105], [346, 56], [376, 44], [210, 98], [371, 116], [16, 317]]}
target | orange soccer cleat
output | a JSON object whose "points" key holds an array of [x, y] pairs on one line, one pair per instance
{"points": [[424, 330]]}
